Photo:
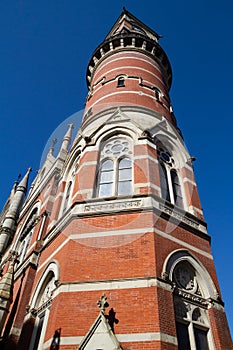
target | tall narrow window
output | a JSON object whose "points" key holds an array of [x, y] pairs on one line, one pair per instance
{"points": [[38, 330], [183, 336], [201, 339], [115, 174], [124, 176], [106, 178], [67, 197], [164, 183], [169, 180], [26, 235], [176, 189]]}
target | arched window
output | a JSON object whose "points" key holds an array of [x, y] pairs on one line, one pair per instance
{"points": [[67, 196], [192, 325], [106, 180], [41, 303], [115, 174], [177, 196], [121, 82], [164, 182], [124, 176], [169, 180], [26, 235]]}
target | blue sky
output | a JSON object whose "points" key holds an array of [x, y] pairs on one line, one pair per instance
{"points": [[44, 51]]}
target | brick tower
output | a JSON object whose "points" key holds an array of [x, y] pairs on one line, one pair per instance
{"points": [[116, 219]]}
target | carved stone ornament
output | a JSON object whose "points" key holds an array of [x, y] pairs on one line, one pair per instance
{"points": [[102, 303], [117, 148], [48, 292], [185, 278]]}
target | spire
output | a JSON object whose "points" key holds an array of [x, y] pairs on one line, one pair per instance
{"points": [[10, 220], [8, 201], [23, 185], [128, 23], [66, 141], [51, 150], [6, 292]]}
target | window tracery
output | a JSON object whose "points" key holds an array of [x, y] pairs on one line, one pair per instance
{"points": [[192, 325], [115, 174], [40, 306]]}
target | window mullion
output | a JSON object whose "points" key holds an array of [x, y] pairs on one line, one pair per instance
{"points": [[169, 180], [191, 336], [116, 176]]}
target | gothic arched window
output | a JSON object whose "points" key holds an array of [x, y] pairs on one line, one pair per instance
{"points": [[40, 305], [115, 173], [164, 182], [67, 196], [192, 325], [26, 235], [169, 180]]}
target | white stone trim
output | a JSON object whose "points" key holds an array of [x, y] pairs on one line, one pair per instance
{"points": [[126, 232], [136, 58], [184, 244], [54, 253], [86, 164], [149, 184], [60, 194], [123, 92], [145, 142], [195, 209], [152, 336], [186, 179], [48, 199], [111, 285], [86, 191], [145, 156], [64, 341], [124, 338], [111, 233]]}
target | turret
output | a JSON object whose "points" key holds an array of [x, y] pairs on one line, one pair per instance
{"points": [[8, 201], [129, 68], [9, 224], [6, 293]]}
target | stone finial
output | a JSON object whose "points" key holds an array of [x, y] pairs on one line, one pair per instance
{"points": [[102, 303], [51, 150], [66, 141]]}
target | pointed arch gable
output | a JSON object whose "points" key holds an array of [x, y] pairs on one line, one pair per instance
{"points": [[52, 269], [173, 145], [116, 131], [181, 255]]}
